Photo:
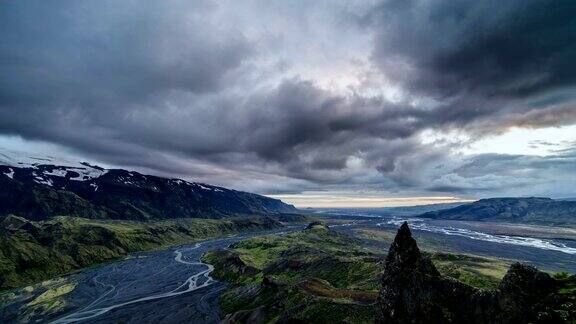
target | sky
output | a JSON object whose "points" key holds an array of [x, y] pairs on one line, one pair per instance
{"points": [[319, 103]]}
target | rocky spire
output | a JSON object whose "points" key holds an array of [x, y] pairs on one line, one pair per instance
{"points": [[413, 291], [404, 253], [407, 278]]}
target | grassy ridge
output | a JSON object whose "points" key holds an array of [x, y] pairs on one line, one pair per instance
{"points": [[35, 251]]}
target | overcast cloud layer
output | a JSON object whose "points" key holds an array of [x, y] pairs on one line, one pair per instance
{"points": [[289, 96]]}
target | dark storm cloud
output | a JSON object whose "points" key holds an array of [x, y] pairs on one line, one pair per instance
{"points": [[74, 50], [70, 65], [127, 82], [496, 48], [218, 91], [489, 65]]}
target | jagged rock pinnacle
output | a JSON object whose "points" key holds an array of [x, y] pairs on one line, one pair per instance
{"points": [[408, 276], [413, 291], [404, 236], [404, 229], [404, 251]]}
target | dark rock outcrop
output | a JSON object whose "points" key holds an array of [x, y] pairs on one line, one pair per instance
{"points": [[316, 224], [233, 262], [413, 291]]}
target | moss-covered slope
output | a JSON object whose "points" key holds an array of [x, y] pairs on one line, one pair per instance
{"points": [[318, 276], [34, 251]]}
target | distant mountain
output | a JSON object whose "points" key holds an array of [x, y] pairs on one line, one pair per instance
{"points": [[404, 211], [524, 210], [418, 209], [37, 190]]}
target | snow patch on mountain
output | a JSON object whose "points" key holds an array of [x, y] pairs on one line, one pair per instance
{"points": [[56, 172], [46, 168], [203, 187], [50, 166], [9, 174], [87, 173], [42, 180], [27, 160]]}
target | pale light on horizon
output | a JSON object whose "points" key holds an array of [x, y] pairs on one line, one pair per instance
{"points": [[342, 200]]}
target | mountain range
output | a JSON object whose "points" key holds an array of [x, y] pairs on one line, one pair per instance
{"points": [[516, 210], [38, 189]]}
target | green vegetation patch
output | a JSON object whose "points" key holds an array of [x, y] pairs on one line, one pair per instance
{"points": [[472, 270], [52, 294], [35, 251], [39, 301], [316, 275], [566, 297], [321, 276]]}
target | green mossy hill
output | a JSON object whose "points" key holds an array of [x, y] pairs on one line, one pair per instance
{"points": [[35, 251], [39, 301], [318, 276], [474, 271]]}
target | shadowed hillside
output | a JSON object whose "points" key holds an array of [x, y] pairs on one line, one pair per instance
{"points": [[40, 191]]}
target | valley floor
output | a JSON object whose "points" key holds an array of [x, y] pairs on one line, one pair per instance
{"points": [[36, 251], [317, 274], [320, 275], [167, 286], [329, 275]]}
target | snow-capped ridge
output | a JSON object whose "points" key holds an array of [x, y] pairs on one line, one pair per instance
{"points": [[89, 191], [48, 166]]}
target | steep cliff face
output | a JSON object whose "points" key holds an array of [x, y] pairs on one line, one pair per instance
{"points": [[413, 291]]}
